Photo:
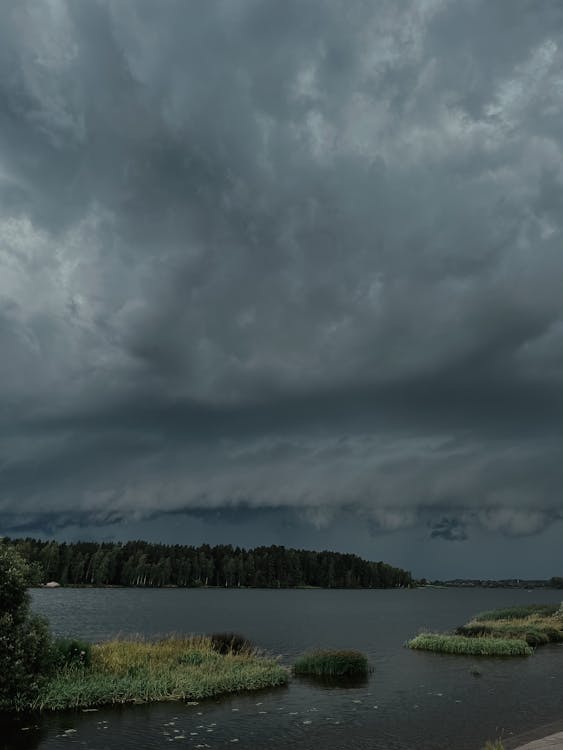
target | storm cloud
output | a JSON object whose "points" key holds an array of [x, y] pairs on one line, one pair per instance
{"points": [[300, 257]]}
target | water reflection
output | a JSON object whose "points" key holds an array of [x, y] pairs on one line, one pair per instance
{"points": [[334, 683]]}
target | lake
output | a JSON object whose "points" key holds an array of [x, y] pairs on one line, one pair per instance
{"points": [[412, 700]]}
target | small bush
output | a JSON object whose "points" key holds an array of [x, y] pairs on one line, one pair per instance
{"points": [[473, 630], [231, 643], [70, 652], [458, 644], [332, 664]]}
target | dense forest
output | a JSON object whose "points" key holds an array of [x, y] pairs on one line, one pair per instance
{"points": [[146, 564]]}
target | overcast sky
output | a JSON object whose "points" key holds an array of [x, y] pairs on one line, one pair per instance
{"points": [[285, 272]]}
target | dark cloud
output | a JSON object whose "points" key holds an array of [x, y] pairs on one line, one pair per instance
{"points": [[450, 529], [301, 258]]}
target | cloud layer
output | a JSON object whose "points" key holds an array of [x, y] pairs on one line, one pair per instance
{"points": [[301, 256]]}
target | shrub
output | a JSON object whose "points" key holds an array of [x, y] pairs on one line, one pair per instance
{"points": [[26, 646], [231, 643], [332, 664], [71, 652], [14, 598]]}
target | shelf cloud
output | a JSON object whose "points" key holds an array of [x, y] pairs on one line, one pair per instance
{"points": [[302, 257]]}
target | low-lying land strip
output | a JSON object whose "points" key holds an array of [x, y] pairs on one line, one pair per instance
{"points": [[511, 631]]}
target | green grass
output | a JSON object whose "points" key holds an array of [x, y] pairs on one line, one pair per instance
{"points": [[141, 671], [494, 745], [535, 630], [517, 613], [332, 664], [459, 644], [511, 631]]}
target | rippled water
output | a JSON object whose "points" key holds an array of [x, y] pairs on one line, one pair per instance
{"points": [[411, 699]]}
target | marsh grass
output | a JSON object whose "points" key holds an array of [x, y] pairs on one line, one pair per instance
{"points": [[518, 613], [139, 671], [459, 644], [332, 664], [511, 631], [535, 630]]}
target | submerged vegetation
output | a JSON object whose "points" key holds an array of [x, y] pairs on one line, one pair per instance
{"points": [[332, 664], [139, 671], [145, 564], [511, 631]]}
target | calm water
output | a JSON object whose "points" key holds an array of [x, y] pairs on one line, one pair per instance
{"points": [[412, 700]]}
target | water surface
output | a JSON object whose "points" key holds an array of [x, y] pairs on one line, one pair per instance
{"points": [[412, 700]]}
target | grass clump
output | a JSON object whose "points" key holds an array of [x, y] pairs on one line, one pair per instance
{"points": [[494, 745], [140, 671], [332, 664], [459, 644]]}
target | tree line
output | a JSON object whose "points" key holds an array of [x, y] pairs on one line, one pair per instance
{"points": [[140, 563]]}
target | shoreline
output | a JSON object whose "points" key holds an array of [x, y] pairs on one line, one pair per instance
{"points": [[289, 588], [542, 733]]}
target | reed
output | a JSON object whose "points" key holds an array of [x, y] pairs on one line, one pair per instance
{"points": [[332, 664], [458, 644], [142, 671], [517, 613], [510, 631], [494, 745], [535, 630]]}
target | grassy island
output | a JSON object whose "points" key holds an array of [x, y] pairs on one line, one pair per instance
{"points": [[511, 631], [333, 664], [470, 646], [139, 671]]}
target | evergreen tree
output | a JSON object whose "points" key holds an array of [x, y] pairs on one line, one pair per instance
{"points": [[141, 563]]}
